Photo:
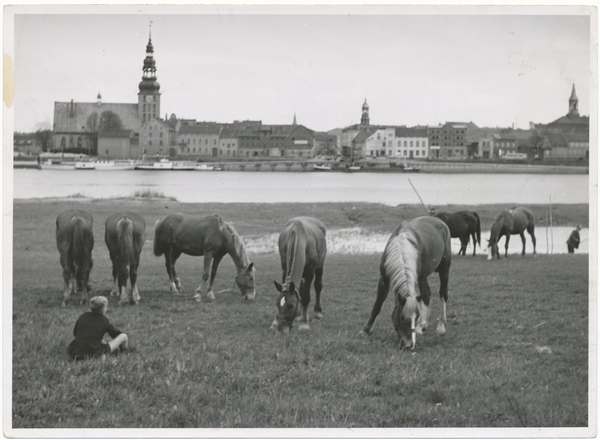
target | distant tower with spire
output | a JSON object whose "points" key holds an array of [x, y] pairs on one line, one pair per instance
{"points": [[294, 123], [573, 104], [364, 120], [149, 88]]}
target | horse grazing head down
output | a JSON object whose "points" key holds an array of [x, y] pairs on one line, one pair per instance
{"points": [[245, 281], [492, 248], [403, 324], [287, 305]]}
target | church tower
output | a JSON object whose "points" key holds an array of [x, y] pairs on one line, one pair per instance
{"points": [[573, 104], [149, 95], [364, 120]]}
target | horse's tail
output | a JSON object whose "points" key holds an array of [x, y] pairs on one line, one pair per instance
{"points": [[125, 241], [159, 230], [478, 229], [78, 248]]}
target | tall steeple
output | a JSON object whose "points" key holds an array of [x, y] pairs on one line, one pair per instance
{"points": [[364, 120], [573, 104], [294, 123], [149, 94]]}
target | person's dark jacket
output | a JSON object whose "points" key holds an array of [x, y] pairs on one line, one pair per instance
{"points": [[89, 331], [574, 239]]}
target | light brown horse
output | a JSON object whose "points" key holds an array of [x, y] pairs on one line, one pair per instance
{"points": [[302, 250], [125, 235], [210, 236], [415, 250], [75, 241], [511, 222]]}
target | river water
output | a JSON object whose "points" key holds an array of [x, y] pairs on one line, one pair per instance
{"points": [[307, 187]]}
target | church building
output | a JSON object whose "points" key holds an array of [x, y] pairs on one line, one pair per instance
{"points": [[116, 130]]}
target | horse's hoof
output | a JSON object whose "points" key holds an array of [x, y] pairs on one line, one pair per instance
{"points": [[210, 297], [198, 298], [441, 330], [114, 293], [318, 315], [365, 333], [303, 327]]}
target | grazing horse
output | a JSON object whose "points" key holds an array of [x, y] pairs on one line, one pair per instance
{"points": [[125, 235], [415, 250], [463, 225], [75, 241], [302, 249], [209, 236], [511, 222]]}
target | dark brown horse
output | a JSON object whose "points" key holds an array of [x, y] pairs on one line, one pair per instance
{"points": [[511, 222], [125, 235], [209, 236], [415, 249], [463, 225], [302, 249], [75, 241]]}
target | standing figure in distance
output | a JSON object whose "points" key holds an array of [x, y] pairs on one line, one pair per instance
{"points": [[573, 241]]}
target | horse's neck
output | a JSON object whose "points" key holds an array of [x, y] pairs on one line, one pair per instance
{"points": [[295, 265], [237, 252]]}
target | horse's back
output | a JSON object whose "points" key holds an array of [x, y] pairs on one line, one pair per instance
{"points": [[433, 236], [191, 234], [310, 234]]}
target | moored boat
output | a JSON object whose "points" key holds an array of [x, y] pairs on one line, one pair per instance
{"points": [[321, 168], [162, 164], [184, 166], [203, 167], [85, 165], [56, 165], [117, 164]]}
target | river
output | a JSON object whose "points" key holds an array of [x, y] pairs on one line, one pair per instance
{"points": [[307, 187]]}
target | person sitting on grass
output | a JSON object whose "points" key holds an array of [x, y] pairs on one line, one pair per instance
{"points": [[89, 331]]}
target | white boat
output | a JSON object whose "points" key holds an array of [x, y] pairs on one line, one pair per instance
{"points": [[56, 165], [163, 164], [117, 164], [321, 168], [204, 167], [85, 165], [184, 166]]}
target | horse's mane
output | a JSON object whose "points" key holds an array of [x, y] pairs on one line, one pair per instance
{"points": [[238, 244], [401, 268]]}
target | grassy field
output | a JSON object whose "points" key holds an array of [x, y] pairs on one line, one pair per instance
{"points": [[515, 353]]}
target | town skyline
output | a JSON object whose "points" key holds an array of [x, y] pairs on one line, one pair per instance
{"points": [[492, 70]]}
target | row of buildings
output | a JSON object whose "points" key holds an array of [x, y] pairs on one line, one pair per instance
{"points": [[132, 130]]}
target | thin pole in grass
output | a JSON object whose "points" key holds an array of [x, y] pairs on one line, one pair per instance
{"points": [[424, 207]]}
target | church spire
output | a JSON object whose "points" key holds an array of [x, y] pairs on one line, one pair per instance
{"points": [[573, 104], [294, 123], [364, 120], [149, 88]]}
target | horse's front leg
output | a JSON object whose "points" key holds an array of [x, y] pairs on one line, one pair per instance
{"points": [[523, 240], [305, 299], [208, 260], [425, 293], [210, 295], [382, 293], [318, 288], [444, 276]]}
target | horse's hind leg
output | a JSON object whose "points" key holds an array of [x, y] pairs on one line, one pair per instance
{"points": [[474, 242], [135, 295], [382, 293], [123, 275], [523, 240], [69, 282], [305, 299], [531, 230], [506, 245], [318, 288], [464, 241], [171, 256]]}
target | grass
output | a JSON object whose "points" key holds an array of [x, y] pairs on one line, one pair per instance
{"points": [[515, 353], [148, 193]]}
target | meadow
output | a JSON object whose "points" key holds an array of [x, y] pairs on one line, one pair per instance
{"points": [[515, 353]]}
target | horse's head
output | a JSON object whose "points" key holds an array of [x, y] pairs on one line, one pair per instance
{"points": [[245, 281], [403, 325], [287, 305], [492, 248]]}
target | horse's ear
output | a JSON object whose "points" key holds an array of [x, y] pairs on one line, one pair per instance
{"points": [[278, 286], [250, 266]]}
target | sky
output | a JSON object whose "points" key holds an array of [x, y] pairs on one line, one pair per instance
{"points": [[414, 66]]}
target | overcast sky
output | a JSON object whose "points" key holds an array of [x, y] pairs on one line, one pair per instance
{"points": [[223, 64]]}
